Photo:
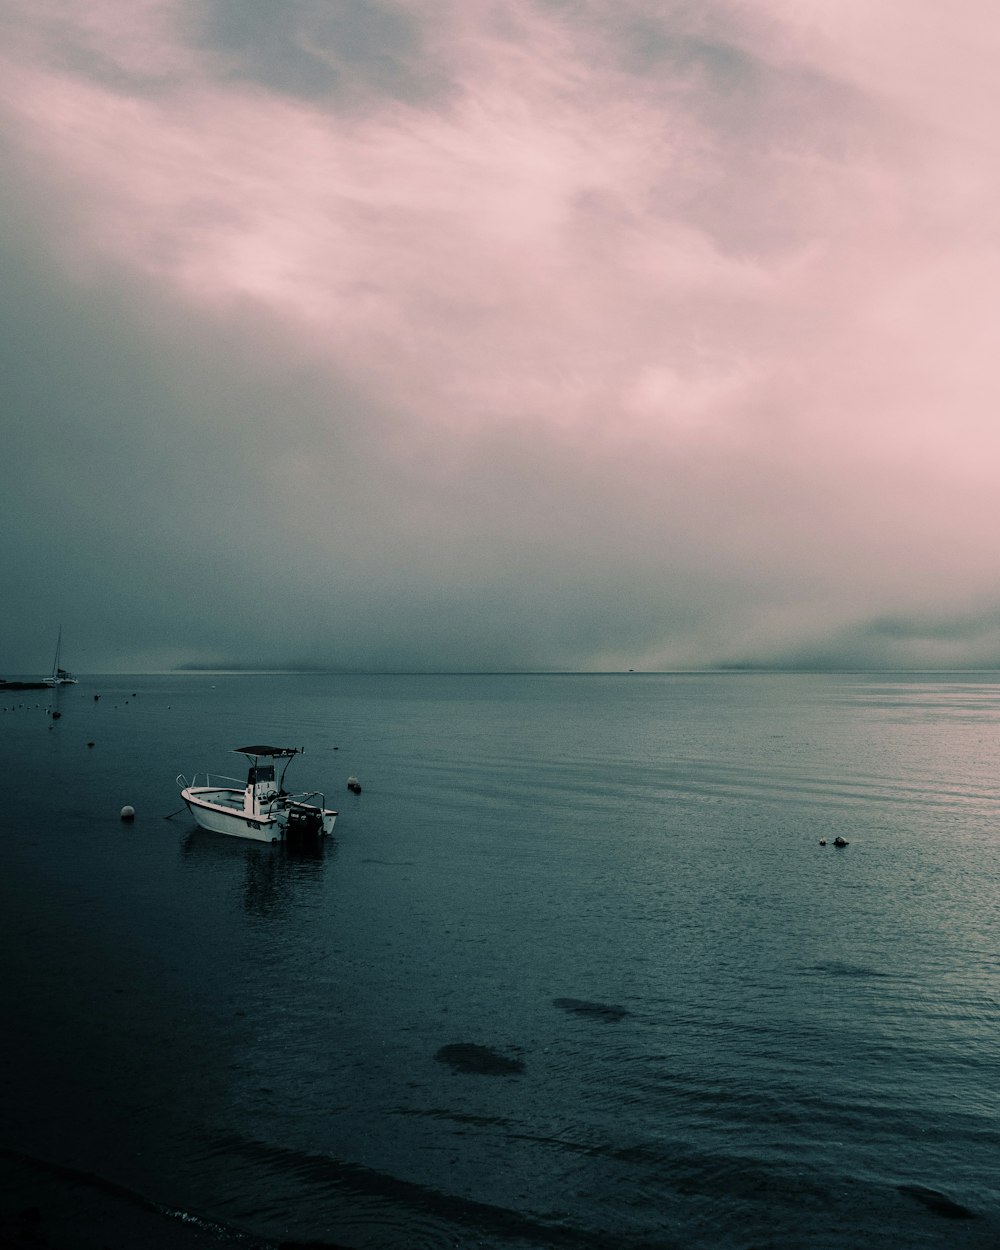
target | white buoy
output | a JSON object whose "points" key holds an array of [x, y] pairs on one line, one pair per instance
{"points": [[128, 813]]}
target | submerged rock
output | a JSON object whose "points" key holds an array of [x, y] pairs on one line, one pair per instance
{"points": [[479, 1060], [599, 1011]]}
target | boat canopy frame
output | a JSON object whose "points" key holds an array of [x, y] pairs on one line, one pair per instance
{"points": [[276, 752], [272, 753]]}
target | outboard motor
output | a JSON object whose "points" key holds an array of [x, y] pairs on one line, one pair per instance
{"points": [[304, 821]]}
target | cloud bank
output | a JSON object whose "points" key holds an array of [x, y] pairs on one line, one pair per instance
{"points": [[543, 334]]}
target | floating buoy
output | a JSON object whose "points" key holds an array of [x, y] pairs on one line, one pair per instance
{"points": [[56, 715], [354, 785], [128, 813], [96, 697], [822, 841]]}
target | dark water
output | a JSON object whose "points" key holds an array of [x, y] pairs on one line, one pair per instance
{"points": [[575, 970]]}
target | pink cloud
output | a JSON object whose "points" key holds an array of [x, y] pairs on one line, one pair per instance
{"points": [[488, 241], [752, 279]]}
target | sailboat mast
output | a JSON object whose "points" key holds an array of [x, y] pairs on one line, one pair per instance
{"points": [[55, 662]]}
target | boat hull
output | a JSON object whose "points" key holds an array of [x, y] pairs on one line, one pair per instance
{"points": [[220, 819], [229, 817]]}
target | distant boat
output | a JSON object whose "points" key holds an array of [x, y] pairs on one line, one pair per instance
{"points": [[60, 677], [262, 810]]}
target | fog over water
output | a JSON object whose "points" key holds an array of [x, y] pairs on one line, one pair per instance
{"points": [[536, 336]]}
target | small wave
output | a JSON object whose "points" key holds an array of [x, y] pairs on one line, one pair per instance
{"points": [[414, 1202], [478, 1060], [837, 968], [65, 1197], [596, 1011], [455, 1117], [937, 1202]]}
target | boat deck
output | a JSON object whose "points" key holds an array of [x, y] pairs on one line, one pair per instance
{"points": [[231, 799]]}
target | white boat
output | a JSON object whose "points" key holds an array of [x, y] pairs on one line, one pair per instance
{"points": [[60, 677], [261, 809]]}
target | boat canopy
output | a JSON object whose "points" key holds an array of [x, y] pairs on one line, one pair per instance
{"points": [[275, 752]]}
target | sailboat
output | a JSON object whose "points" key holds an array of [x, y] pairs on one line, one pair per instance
{"points": [[60, 677]]}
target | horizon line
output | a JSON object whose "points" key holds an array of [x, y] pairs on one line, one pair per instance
{"points": [[715, 670]]}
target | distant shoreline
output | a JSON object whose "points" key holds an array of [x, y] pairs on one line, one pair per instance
{"points": [[718, 671]]}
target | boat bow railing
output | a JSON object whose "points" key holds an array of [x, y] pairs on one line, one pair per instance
{"points": [[216, 782]]}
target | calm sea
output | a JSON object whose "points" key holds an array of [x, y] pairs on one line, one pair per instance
{"points": [[574, 971]]}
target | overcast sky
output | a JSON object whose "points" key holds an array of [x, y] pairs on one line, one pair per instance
{"points": [[542, 334]]}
